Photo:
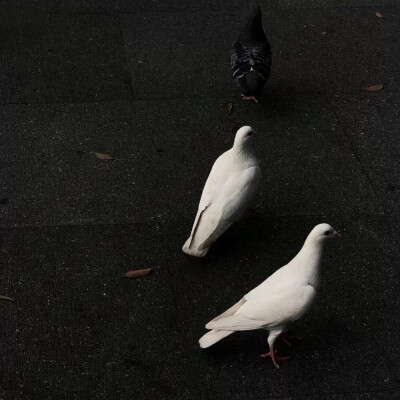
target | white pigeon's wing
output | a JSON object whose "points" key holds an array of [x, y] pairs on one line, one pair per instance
{"points": [[200, 211], [238, 193], [230, 311], [288, 305], [269, 311], [234, 198], [236, 322], [277, 282], [218, 175]]}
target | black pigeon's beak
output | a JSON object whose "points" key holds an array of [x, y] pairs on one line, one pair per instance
{"points": [[337, 234]]}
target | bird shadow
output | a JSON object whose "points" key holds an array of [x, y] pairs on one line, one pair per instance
{"points": [[277, 98], [324, 335], [325, 331], [243, 239]]}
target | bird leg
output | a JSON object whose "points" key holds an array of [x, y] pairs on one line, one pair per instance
{"points": [[285, 338], [273, 335], [273, 357]]}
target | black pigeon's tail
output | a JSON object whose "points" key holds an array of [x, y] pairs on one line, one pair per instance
{"points": [[253, 31]]}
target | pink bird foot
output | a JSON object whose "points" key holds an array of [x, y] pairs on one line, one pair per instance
{"points": [[250, 98], [274, 358]]}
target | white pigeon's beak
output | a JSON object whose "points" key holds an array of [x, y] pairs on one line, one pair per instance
{"points": [[337, 234]]}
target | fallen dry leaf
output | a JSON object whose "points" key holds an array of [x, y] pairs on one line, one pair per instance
{"points": [[228, 107], [379, 15], [138, 273], [6, 298], [373, 88], [105, 157]]}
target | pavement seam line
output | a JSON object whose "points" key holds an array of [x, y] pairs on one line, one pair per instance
{"points": [[189, 221], [126, 60], [355, 152]]}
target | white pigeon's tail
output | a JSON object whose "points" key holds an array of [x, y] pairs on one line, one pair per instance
{"points": [[193, 251], [212, 337]]}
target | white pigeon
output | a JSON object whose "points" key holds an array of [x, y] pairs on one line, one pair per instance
{"points": [[281, 299], [227, 194]]}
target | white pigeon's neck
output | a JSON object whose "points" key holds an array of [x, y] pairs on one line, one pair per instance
{"points": [[309, 259], [244, 153]]}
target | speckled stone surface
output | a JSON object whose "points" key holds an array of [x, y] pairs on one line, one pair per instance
{"points": [[148, 83], [59, 58]]}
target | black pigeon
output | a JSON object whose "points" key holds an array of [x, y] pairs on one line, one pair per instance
{"points": [[251, 57]]}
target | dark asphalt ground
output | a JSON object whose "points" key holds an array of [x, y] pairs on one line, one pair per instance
{"points": [[146, 82]]}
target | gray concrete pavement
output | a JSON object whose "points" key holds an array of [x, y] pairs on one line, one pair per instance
{"points": [[146, 82]]}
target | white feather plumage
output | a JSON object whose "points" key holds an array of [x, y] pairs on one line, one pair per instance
{"points": [[281, 299], [227, 194]]}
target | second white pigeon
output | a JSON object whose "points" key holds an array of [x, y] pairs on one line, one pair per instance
{"points": [[227, 194], [280, 300]]}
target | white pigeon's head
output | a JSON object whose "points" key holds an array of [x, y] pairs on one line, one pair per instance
{"points": [[323, 232], [243, 136]]}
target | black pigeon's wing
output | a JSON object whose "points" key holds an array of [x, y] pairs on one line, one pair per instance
{"points": [[248, 57]]}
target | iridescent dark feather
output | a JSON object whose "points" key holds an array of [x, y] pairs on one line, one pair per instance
{"points": [[251, 56]]}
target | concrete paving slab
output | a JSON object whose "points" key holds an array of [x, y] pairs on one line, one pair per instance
{"points": [[120, 6], [192, 61], [307, 4], [159, 147], [338, 336], [320, 51], [188, 54], [55, 176], [336, 50], [90, 333], [79, 329], [57, 58], [72, 225], [178, 5], [372, 124], [56, 7], [303, 149]]}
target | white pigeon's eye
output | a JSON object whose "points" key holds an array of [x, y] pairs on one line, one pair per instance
{"points": [[250, 133], [327, 232]]}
